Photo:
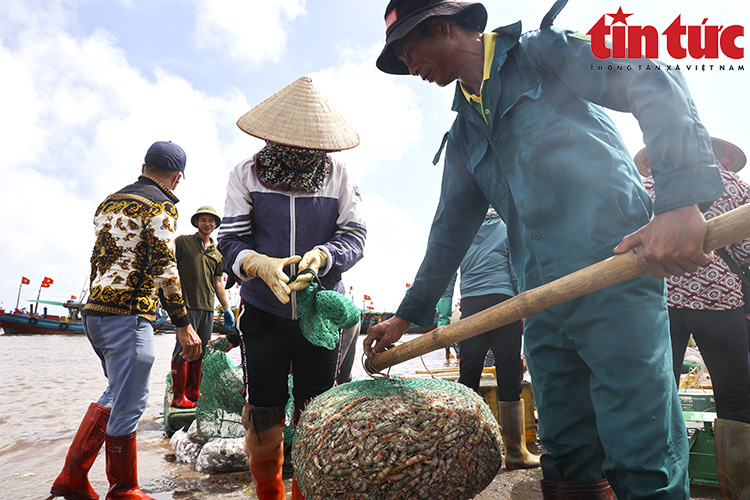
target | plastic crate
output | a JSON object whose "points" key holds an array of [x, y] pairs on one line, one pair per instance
{"points": [[702, 465], [697, 400]]}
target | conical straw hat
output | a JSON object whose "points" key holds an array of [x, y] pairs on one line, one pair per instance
{"points": [[299, 115], [728, 154]]}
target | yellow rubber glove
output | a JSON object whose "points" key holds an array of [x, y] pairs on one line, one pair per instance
{"points": [[314, 259], [271, 271]]}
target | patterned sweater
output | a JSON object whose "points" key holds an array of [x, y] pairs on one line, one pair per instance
{"points": [[714, 286], [133, 263]]}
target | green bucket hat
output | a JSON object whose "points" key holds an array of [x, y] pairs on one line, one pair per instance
{"points": [[205, 210]]}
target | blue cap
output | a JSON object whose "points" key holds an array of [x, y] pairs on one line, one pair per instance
{"points": [[166, 155]]}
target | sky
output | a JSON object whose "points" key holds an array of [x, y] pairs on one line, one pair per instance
{"points": [[87, 86]]}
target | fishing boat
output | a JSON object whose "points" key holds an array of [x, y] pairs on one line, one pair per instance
{"points": [[220, 329], [22, 322]]}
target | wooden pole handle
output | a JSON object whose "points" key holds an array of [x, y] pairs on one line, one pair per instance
{"points": [[723, 230]]}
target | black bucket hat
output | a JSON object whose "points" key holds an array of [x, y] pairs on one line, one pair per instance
{"points": [[402, 16]]}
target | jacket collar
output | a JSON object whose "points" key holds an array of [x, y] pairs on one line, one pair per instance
{"points": [[211, 241], [147, 179], [507, 38]]}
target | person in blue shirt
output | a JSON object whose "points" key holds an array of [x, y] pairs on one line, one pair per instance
{"points": [[486, 280], [532, 138]]}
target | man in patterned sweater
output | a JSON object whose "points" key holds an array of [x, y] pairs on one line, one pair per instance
{"points": [[132, 267], [709, 304]]}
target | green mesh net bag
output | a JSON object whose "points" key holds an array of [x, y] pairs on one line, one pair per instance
{"points": [[218, 412], [323, 313], [410, 439]]}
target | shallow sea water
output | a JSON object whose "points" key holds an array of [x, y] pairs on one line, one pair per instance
{"points": [[48, 383]]}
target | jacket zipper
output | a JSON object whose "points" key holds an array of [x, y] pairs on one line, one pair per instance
{"points": [[292, 246]]}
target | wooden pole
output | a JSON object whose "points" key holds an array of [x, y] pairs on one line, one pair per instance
{"points": [[723, 230]]}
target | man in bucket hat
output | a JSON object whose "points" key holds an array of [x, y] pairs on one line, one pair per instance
{"points": [[290, 207], [531, 138], [199, 263]]}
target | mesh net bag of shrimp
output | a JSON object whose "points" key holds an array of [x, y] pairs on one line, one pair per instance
{"points": [[414, 439], [219, 409], [218, 413]]}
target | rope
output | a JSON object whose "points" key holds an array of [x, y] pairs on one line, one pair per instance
{"points": [[372, 372]]}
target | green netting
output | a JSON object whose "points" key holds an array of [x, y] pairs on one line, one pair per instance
{"points": [[323, 313], [397, 439], [288, 421], [218, 412]]}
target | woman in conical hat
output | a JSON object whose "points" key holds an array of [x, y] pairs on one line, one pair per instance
{"points": [[290, 207], [708, 304]]}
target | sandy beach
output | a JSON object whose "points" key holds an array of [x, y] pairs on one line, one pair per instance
{"points": [[49, 382]]}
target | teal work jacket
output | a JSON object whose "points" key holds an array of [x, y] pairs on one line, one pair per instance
{"points": [[553, 164]]}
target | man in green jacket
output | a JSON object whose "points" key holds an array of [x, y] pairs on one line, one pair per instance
{"points": [[531, 137]]}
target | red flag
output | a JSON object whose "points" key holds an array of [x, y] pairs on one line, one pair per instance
{"points": [[371, 308], [72, 297], [47, 281], [367, 297], [45, 284], [408, 285], [25, 280]]}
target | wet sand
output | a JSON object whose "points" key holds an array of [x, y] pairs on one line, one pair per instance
{"points": [[49, 382]]}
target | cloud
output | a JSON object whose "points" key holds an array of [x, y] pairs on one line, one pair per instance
{"points": [[81, 116], [394, 250], [78, 118], [381, 108], [250, 32]]}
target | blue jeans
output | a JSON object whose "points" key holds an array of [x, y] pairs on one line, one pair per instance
{"points": [[125, 346], [601, 368]]}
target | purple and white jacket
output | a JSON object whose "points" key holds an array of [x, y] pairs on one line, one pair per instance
{"points": [[280, 223]]}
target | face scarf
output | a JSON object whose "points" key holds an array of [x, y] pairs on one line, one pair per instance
{"points": [[290, 168]]}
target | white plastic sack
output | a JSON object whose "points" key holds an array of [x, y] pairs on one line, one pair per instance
{"points": [[222, 455]]}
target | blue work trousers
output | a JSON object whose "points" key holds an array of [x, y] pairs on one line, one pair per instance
{"points": [[125, 346], [601, 368]]}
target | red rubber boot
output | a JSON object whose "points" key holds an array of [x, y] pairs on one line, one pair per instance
{"points": [[595, 490], [296, 492], [73, 481], [179, 380], [264, 443], [122, 469], [193, 381]]}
